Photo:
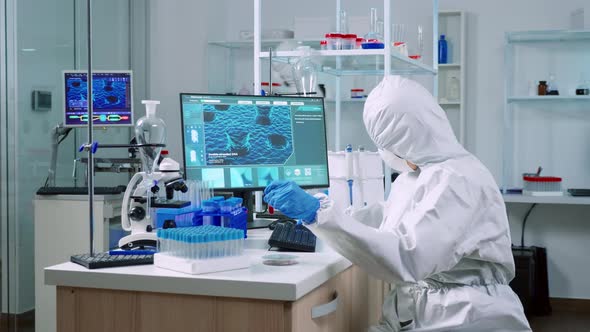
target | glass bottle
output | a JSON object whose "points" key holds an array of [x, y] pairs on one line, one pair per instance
{"points": [[150, 129], [552, 85], [542, 88], [453, 89], [583, 88]]}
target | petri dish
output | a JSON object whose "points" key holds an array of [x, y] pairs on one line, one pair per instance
{"points": [[279, 260]]}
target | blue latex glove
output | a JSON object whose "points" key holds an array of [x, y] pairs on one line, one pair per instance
{"points": [[291, 200]]}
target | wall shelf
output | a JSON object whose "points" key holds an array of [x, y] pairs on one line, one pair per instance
{"points": [[547, 36], [514, 126], [547, 98], [449, 66], [449, 103], [566, 199]]}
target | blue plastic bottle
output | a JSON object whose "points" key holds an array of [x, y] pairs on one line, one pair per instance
{"points": [[442, 50]]}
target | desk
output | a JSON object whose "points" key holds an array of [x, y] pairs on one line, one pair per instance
{"points": [[260, 298]]}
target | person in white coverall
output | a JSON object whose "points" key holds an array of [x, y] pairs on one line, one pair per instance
{"points": [[441, 239]]}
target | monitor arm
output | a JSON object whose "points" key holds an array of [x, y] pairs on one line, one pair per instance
{"points": [[58, 134]]}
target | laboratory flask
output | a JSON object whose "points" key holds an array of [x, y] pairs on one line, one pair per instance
{"points": [[150, 130], [305, 72]]}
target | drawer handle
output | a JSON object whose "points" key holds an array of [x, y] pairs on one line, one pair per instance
{"points": [[325, 309]]}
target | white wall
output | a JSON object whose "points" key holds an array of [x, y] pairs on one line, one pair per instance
{"points": [[178, 65], [177, 49]]}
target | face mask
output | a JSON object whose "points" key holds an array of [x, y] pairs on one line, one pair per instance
{"points": [[394, 161]]}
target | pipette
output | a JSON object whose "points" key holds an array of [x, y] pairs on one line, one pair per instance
{"points": [[360, 177], [349, 170]]}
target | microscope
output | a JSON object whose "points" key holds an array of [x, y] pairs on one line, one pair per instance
{"points": [[141, 199], [142, 194]]}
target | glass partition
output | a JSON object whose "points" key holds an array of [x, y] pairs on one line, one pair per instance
{"points": [[39, 40]]}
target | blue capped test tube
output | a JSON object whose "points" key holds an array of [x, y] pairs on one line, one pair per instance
{"points": [[210, 207]]}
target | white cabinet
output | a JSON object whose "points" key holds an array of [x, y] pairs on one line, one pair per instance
{"points": [[61, 230]]}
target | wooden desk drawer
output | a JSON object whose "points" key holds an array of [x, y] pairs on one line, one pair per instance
{"points": [[327, 308]]}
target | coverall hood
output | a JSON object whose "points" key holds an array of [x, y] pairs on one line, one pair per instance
{"points": [[403, 118]]}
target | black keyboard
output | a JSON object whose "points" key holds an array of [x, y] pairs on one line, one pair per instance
{"points": [[80, 190], [579, 192], [289, 236], [103, 260]]}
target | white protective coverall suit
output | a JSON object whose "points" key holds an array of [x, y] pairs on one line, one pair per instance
{"points": [[442, 237]]}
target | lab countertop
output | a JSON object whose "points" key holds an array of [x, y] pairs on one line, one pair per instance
{"points": [[259, 281]]}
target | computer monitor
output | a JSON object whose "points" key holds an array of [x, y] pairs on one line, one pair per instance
{"points": [[113, 98], [243, 143]]}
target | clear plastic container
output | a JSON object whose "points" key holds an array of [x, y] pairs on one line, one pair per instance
{"points": [[357, 93], [334, 40], [348, 41], [323, 45], [265, 86], [359, 42], [542, 186]]}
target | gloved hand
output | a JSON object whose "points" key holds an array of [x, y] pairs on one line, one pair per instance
{"points": [[291, 200]]}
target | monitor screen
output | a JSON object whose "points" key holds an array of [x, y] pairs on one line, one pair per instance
{"points": [[246, 142], [113, 98]]}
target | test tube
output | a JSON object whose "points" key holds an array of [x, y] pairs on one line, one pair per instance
{"points": [[209, 207], [225, 207]]}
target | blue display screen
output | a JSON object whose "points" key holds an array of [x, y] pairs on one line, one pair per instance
{"points": [[240, 142], [113, 102]]}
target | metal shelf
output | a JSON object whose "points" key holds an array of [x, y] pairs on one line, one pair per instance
{"points": [[566, 199], [547, 36], [357, 62], [547, 98]]}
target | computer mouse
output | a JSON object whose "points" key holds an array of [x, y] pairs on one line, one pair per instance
{"points": [[273, 225]]}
